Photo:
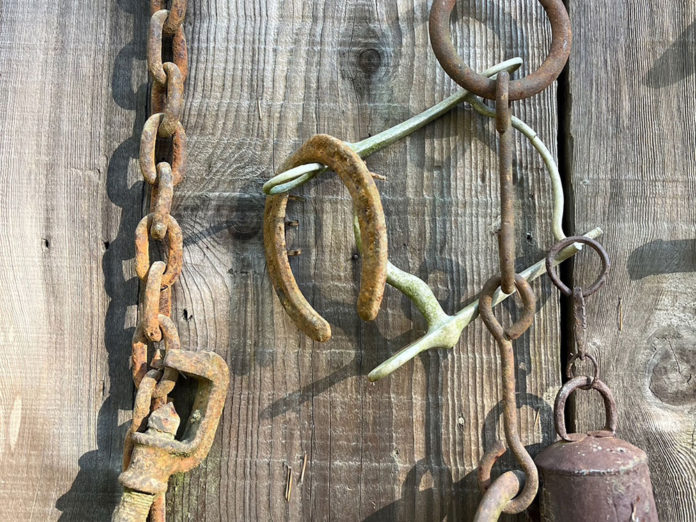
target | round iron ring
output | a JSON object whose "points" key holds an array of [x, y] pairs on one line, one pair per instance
{"points": [[570, 368], [597, 247], [452, 63]]}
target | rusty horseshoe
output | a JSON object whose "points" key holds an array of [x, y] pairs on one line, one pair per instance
{"points": [[367, 204]]}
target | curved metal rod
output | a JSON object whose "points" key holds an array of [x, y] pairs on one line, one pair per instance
{"points": [[301, 174], [498, 495], [368, 208], [297, 176], [445, 330]]}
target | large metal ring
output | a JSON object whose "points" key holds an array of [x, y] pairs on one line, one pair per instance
{"points": [[568, 388], [564, 243], [441, 41], [486, 308]]}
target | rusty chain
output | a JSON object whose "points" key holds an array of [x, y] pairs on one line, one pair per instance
{"points": [[151, 452], [515, 494], [578, 295]]}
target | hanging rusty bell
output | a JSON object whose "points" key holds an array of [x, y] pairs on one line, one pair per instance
{"points": [[594, 476]]}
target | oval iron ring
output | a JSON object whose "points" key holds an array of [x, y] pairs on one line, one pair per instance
{"points": [[353, 172]]}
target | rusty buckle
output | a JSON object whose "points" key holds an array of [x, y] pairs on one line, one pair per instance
{"points": [[367, 205], [156, 453], [451, 62]]}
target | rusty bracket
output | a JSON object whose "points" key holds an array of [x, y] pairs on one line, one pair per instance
{"points": [[156, 453]]}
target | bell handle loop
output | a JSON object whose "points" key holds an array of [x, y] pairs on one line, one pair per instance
{"points": [[587, 382], [596, 246]]}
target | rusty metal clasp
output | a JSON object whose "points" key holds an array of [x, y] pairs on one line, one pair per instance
{"points": [[156, 453]]}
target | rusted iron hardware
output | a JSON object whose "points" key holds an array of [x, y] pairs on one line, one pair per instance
{"points": [[446, 53], [510, 493], [368, 206], [503, 498], [444, 330], [152, 452], [593, 476]]}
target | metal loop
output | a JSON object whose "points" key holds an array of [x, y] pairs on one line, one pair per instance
{"points": [[499, 495], [596, 246], [153, 286], [141, 409], [452, 63], [570, 367], [142, 249], [177, 12], [154, 48], [162, 195], [170, 335], [148, 142], [570, 387], [486, 309], [139, 361], [173, 101]]}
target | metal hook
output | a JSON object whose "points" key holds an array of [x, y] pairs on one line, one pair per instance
{"points": [[368, 206]]}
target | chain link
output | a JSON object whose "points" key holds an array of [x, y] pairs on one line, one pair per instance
{"points": [[508, 281], [162, 129]]}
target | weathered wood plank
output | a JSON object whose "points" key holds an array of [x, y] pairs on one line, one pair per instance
{"points": [[631, 153], [265, 76], [69, 194]]}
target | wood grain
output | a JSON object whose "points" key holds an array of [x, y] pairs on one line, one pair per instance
{"points": [[264, 77], [631, 153], [71, 77]]}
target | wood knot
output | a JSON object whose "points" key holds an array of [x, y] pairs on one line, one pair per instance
{"points": [[673, 366], [369, 61]]}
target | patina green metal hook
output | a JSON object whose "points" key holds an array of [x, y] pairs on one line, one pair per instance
{"points": [[301, 174], [444, 331], [293, 178]]}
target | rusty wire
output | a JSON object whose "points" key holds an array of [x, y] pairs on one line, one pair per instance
{"points": [[151, 451]]}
